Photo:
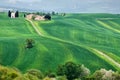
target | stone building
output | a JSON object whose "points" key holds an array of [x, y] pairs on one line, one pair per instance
{"points": [[12, 14], [35, 17]]}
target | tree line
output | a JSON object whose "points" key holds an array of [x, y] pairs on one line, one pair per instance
{"points": [[67, 71]]}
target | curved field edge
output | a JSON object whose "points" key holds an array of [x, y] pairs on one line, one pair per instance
{"points": [[45, 53], [85, 30], [106, 58], [50, 50], [98, 53]]}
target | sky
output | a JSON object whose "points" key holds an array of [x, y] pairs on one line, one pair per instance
{"points": [[70, 6]]}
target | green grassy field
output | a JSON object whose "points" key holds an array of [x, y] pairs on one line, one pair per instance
{"points": [[68, 38]]}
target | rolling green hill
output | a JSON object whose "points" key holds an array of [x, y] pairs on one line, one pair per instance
{"points": [[74, 37]]}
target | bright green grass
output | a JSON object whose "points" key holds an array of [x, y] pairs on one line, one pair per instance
{"points": [[85, 29], [47, 54], [85, 36], [65, 39], [15, 27]]}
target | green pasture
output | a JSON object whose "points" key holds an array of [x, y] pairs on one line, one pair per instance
{"points": [[66, 38]]}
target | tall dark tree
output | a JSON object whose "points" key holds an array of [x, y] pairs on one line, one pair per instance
{"points": [[47, 17], [9, 13], [17, 14], [24, 15]]}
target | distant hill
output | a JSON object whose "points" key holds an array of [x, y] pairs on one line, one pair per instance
{"points": [[6, 8]]}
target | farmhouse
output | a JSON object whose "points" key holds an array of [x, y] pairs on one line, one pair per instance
{"points": [[39, 17], [12, 14], [35, 17], [29, 16]]}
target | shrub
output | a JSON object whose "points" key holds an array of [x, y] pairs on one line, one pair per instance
{"points": [[35, 73], [104, 74], [84, 71], [61, 78], [33, 17], [29, 43], [8, 73], [47, 17], [72, 71], [51, 75], [116, 76]]}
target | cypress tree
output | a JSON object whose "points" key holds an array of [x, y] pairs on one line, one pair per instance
{"points": [[17, 14], [9, 13], [24, 15]]}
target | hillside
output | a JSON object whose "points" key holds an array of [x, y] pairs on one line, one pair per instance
{"points": [[74, 37]]}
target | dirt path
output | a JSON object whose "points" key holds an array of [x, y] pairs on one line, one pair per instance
{"points": [[39, 33], [107, 57], [108, 26], [114, 63]]}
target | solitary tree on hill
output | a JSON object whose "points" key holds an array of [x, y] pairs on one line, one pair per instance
{"points": [[29, 43]]}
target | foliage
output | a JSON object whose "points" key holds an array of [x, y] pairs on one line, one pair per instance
{"points": [[63, 14], [84, 71], [61, 78], [36, 73], [33, 17], [29, 43], [47, 17], [40, 13], [73, 71], [116, 76], [17, 14], [53, 13], [8, 73], [65, 39], [51, 75], [9, 13], [24, 15], [104, 74]]}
